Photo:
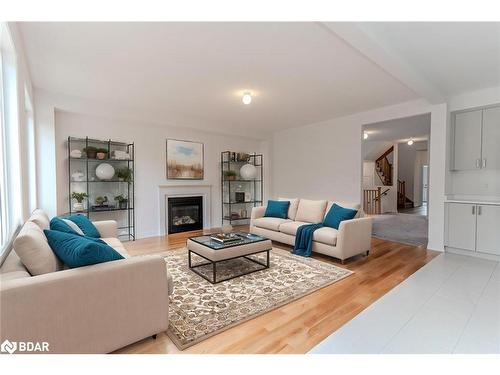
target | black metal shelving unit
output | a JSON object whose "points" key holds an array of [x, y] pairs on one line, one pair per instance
{"points": [[231, 209], [94, 187]]}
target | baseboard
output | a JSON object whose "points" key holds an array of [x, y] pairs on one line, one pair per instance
{"points": [[474, 254]]}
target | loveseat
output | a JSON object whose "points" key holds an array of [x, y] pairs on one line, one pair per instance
{"points": [[352, 238], [92, 309]]}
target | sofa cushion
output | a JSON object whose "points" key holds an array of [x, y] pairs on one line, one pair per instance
{"points": [[116, 244], [311, 211], [326, 235], [291, 227], [77, 251], [337, 214], [271, 223], [12, 268], [40, 218], [277, 209], [85, 225], [292, 210], [34, 251]]}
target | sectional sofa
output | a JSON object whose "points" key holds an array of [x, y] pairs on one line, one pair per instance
{"points": [[352, 238], [92, 309]]}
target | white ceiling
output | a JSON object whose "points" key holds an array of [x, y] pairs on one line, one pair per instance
{"points": [[400, 130], [455, 57], [300, 73], [193, 74]]}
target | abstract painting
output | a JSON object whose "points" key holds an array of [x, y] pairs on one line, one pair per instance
{"points": [[184, 160]]}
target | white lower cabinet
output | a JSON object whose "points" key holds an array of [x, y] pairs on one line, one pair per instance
{"points": [[473, 227], [488, 229], [461, 228]]}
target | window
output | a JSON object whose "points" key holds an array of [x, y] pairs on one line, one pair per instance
{"points": [[31, 151], [10, 172]]}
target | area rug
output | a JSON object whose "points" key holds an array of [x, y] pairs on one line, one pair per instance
{"points": [[199, 309], [405, 228]]}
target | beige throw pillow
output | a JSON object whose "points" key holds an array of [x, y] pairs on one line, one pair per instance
{"points": [[292, 209], [311, 211], [34, 251], [40, 218]]}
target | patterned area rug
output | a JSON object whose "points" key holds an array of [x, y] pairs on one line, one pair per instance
{"points": [[199, 309]]}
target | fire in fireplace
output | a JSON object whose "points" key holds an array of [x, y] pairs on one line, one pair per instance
{"points": [[185, 214]]}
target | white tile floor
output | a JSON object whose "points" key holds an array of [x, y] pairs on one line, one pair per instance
{"points": [[451, 305]]}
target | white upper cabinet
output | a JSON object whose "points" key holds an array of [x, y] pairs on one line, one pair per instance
{"points": [[491, 138], [467, 140], [475, 139]]}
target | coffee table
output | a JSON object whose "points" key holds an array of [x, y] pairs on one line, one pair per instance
{"points": [[215, 252]]}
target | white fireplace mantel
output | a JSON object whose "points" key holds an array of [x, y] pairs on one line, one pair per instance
{"points": [[168, 191]]}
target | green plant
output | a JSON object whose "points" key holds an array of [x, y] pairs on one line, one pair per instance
{"points": [[101, 200], [125, 174], [91, 152], [230, 173], [103, 150], [120, 198], [79, 196]]}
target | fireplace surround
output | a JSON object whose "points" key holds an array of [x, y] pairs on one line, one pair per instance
{"points": [[185, 214]]}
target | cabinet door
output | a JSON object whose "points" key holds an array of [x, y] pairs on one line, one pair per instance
{"points": [[488, 229], [467, 140], [461, 228], [491, 138]]}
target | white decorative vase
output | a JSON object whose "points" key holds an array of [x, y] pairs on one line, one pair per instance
{"points": [[78, 207], [104, 171], [248, 172]]}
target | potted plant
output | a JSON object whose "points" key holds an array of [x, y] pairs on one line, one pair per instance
{"points": [[122, 201], [230, 175], [124, 174], [91, 152], [102, 153], [79, 197]]}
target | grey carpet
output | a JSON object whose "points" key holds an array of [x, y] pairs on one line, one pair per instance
{"points": [[404, 228]]}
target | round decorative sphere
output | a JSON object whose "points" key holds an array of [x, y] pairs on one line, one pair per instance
{"points": [[104, 171], [248, 172]]}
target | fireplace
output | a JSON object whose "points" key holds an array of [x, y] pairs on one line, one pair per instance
{"points": [[185, 214]]}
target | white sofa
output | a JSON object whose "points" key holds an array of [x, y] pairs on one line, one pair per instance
{"points": [[352, 238], [92, 309]]}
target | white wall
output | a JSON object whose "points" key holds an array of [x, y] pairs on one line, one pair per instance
{"points": [[150, 160]]}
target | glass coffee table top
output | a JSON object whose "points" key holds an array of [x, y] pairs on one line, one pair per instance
{"points": [[245, 238]]}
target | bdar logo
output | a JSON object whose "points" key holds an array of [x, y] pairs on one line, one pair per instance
{"points": [[8, 347]]}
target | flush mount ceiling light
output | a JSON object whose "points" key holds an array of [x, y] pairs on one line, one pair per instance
{"points": [[365, 135], [410, 142], [247, 98]]}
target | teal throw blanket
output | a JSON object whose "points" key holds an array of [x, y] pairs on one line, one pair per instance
{"points": [[303, 239]]}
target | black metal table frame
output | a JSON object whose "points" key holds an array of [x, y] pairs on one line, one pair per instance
{"points": [[214, 265]]}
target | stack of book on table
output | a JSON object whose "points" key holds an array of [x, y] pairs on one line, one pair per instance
{"points": [[226, 238]]}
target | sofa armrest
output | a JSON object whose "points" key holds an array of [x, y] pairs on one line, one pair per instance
{"points": [[107, 228], [257, 212], [93, 309], [354, 237]]}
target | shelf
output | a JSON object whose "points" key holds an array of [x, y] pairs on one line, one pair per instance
{"points": [[92, 140], [241, 180], [242, 202], [98, 181], [111, 209], [241, 218], [101, 160]]}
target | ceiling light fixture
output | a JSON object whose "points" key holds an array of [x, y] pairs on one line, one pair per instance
{"points": [[410, 142], [247, 98], [365, 135]]}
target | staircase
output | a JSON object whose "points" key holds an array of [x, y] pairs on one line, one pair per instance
{"points": [[403, 200], [384, 167]]}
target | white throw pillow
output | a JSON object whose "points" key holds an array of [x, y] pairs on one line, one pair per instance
{"points": [[73, 226], [311, 211], [34, 251], [40, 218], [294, 204]]}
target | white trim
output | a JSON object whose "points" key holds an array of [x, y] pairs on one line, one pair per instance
{"points": [[167, 191]]}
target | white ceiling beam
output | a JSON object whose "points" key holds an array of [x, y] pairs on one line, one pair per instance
{"points": [[382, 55]]}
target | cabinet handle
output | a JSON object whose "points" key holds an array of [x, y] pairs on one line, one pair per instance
{"points": [[473, 210], [484, 163], [479, 210], [478, 163]]}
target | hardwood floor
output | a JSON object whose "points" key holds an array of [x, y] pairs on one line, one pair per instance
{"points": [[299, 326]]}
